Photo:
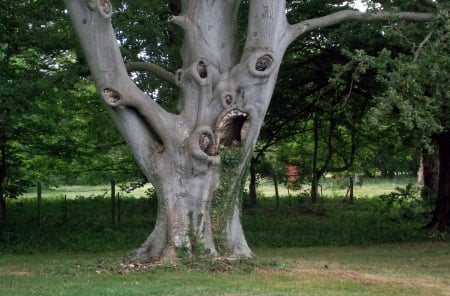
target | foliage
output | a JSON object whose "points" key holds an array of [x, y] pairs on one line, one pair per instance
{"points": [[223, 202], [332, 222], [322, 99], [416, 91], [408, 202], [44, 136]]}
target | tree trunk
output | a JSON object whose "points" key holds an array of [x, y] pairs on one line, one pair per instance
{"points": [[441, 217], [349, 192], [429, 175], [252, 184], [275, 184], [3, 208], [196, 159], [315, 178]]}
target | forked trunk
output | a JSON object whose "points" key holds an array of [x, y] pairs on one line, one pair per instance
{"points": [[196, 159]]}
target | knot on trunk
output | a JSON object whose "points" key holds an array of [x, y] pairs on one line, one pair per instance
{"points": [[104, 6], [111, 97], [202, 144], [202, 70], [261, 63], [206, 144], [227, 99]]}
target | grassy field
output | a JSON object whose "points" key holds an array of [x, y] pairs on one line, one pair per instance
{"points": [[329, 187], [372, 246], [392, 269]]}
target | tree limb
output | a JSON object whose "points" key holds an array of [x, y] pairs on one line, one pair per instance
{"points": [[267, 23], [150, 67], [419, 47], [303, 27], [91, 20]]}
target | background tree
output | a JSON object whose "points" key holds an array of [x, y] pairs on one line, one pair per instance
{"points": [[417, 96], [43, 136], [27, 61], [309, 105]]}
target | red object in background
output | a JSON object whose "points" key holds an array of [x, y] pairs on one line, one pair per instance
{"points": [[292, 173]]}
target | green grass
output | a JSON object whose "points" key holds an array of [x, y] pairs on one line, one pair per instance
{"points": [[389, 269]]}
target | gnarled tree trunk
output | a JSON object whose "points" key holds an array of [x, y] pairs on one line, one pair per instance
{"points": [[196, 159]]}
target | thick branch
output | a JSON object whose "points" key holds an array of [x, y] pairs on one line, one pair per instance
{"points": [[153, 68], [91, 20], [267, 23], [211, 32], [421, 45], [346, 15]]}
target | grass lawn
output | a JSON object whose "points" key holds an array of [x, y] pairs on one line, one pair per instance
{"points": [[391, 269]]}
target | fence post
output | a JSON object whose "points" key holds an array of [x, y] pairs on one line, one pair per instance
{"points": [[113, 202], [119, 207], [65, 208], [39, 203]]}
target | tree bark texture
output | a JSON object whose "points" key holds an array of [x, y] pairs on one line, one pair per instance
{"points": [[195, 159], [3, 208], [429, 175], [441, 215], [252, 184]]}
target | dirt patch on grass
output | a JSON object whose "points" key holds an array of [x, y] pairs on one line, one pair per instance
{"points": [[439, 286], [16, 273]]}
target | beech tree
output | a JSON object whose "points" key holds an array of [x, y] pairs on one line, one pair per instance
{"points": [[417, 99], [196, 158]]}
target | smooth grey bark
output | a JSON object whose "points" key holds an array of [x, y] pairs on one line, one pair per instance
{"points": [[197, 159]]}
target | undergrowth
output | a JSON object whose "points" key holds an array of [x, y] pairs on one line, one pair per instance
{"points": [[84, 224]]}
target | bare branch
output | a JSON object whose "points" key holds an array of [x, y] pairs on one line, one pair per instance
{"points": [[301, 28], [210, 32], [153, 68], [419, 47]]}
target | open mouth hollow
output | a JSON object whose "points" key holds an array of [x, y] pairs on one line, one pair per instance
{"points": [[231, 129]]}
